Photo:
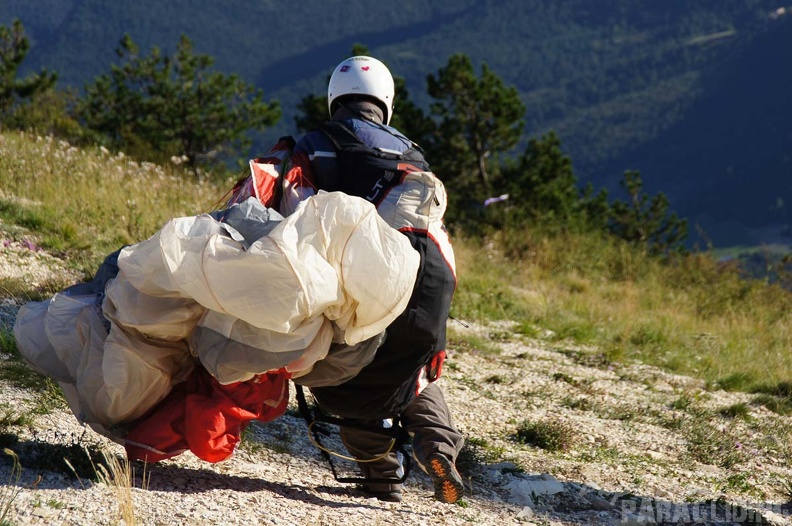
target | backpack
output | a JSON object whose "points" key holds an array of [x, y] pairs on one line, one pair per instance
{"points": [[376, 170]]}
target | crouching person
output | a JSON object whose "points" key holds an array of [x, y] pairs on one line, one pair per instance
{"points": [[356, 152]]}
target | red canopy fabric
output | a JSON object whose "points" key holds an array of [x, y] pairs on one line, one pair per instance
{"points": [[206, 417]]}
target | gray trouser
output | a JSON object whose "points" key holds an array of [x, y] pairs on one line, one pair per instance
{"points": [[427, 419]]}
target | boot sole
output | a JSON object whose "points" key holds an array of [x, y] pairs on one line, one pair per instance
{"points": [[447, 482]]}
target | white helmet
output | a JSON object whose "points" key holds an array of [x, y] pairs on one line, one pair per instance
{"points": [[362, 76]]}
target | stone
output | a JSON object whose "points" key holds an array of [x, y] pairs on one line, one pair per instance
{"points": [[524, 489], [526, 513]]}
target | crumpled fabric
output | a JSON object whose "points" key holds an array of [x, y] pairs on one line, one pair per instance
{"points": [[200, 294], [205, 417]]}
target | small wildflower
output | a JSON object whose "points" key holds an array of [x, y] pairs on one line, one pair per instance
{"points": [[30, 245]]}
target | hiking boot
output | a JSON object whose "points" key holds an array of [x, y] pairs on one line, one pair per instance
{"points": [[383, 489], [448, 483], [394, 495]]}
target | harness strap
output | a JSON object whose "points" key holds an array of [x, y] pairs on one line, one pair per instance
{"points": [[341, 136], [397, 434]]}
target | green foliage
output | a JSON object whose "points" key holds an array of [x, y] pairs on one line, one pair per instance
{"points": [[776, 397], [31, 103], [49, 113], [14, 370], [312, 111], [548, 434], [14, 47], [612, 82], [477, 452], [482, 296], [737, 381], [778, 404], [736, 411], [689, 314], [479, 119], [408, 118], [11, 488], [712, 445], [715, 287], [771, 263], [544, 185], [543, 189], [174, 106], [644, 221]]}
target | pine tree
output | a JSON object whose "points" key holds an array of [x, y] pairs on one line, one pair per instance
{"points": [[644, 221], [543, 186], [14, 47], [478, 120], [175, 106], [543, 189]]}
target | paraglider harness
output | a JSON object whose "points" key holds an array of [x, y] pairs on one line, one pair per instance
{"points": [[376, 170], [314, 419]]}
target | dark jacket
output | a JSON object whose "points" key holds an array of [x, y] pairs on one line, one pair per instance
{"points": [[414, 346]]}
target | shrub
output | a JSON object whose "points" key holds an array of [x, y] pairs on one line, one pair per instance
{"points": [[547, 434]]}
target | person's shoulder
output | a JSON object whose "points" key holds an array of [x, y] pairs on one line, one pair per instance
{"points": [[398, 134], [375, 134], [310, 135], [311, 140]]}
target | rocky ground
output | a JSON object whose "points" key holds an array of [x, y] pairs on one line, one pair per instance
{"points": [[557, 435]]}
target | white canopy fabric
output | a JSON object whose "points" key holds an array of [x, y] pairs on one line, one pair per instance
{"points": [[331, 271]]}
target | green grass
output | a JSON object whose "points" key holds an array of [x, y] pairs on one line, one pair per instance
{"points": [[85, 203], [739, 411], [477, 452], [691, 315], [18, 288], [710, 444], [466, 342], [11, 418]]}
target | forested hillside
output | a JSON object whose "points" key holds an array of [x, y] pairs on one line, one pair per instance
{"points": [[690, 93], [728, 156]]}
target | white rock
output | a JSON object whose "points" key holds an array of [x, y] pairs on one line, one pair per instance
{"points": [[524, 489]]}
